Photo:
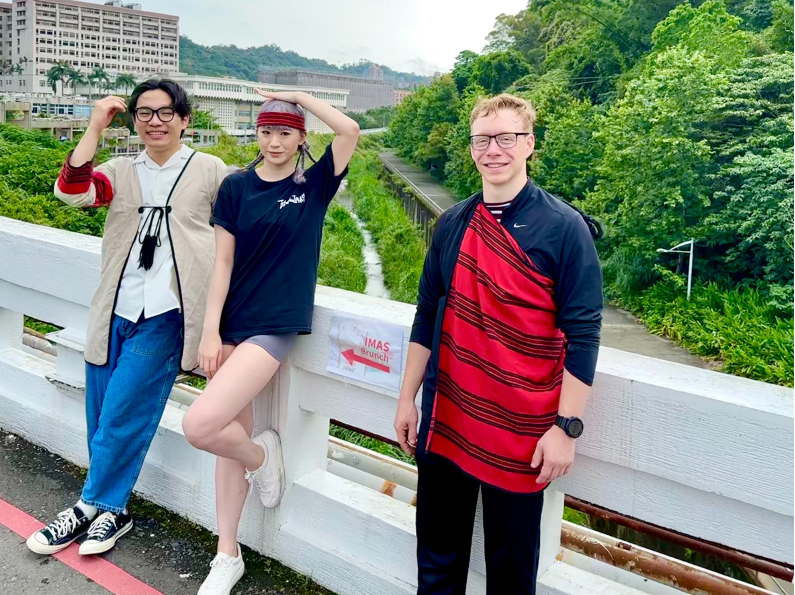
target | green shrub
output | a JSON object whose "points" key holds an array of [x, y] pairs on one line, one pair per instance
{"points": [[739, 327], [398, 240], [341, 259]]}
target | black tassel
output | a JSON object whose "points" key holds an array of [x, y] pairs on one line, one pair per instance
{"points": [[148, 237], [147, 256]]}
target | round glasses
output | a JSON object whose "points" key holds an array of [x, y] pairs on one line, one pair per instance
{"points": [[506, 140], [145, 114]]}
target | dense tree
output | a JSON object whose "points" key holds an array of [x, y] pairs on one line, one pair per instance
{"points": [[421, 124], [462, 69], [496, 71], [377, 117], [522, 32], [780, 34]]}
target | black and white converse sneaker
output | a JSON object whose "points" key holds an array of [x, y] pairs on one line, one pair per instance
{"points": [[105, 531], [70, 524]]}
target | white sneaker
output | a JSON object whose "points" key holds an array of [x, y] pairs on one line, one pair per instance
{"points": [[269, 478], [225, 571]]}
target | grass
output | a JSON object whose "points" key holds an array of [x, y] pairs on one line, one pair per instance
{"points": [[370, 443], [39, 326], [341, 258], [398, 240]]}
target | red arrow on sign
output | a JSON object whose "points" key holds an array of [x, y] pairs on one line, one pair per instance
{"points": [[352, 357]]}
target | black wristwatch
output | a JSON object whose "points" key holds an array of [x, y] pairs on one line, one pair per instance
{"points": [[571, 425]]}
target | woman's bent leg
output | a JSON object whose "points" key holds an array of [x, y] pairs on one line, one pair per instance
{"points": [[221, 421], [211, 422]]}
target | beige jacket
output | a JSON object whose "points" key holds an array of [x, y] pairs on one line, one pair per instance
{"points": [[192, 243]]}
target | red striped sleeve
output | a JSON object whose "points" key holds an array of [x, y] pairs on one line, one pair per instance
{"points": [[104, 189], [78, 180]]}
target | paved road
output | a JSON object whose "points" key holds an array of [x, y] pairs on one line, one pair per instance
{"points": [[621, 330], [24, 573], [163, 550], [420, 180]]}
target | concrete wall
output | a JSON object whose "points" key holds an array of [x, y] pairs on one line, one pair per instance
{"points": [[703, 453]]}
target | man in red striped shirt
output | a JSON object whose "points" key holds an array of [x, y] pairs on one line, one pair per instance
{"points": [[504, 343]]}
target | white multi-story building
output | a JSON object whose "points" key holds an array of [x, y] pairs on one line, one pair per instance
{"points": [[6, 33], [235, 104], [114, 36]]}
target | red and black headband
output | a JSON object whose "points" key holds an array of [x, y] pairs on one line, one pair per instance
{"points": [[281, 119]]}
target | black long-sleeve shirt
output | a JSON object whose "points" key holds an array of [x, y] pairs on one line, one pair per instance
{"points": [[558, 241]]}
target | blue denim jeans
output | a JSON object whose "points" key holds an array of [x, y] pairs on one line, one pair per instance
{"points": [[125, 400]]}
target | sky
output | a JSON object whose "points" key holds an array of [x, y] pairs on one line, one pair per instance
{"points": [[422, 36]]}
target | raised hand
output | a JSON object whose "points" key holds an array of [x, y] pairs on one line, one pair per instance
{"points": [[105, 110], [289, 96]]}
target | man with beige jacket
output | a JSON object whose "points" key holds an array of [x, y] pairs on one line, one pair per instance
{"points": [[147, 313]]}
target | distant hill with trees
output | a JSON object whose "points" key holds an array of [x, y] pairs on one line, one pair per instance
{"points": [[242, 63]]}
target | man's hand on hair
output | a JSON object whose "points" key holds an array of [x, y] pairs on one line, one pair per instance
{"points": [[105, 110]]}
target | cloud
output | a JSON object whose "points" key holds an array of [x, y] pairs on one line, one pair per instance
{"points": [[346, 55], [420, 66], [423, 36]]}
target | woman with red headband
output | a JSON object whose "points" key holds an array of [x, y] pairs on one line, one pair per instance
{"points": [[268, 224]]}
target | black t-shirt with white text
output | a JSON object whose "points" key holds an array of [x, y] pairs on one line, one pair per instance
{"points": [[278, 228]]}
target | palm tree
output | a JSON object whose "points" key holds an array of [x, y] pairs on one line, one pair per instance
{"points": [[98, 75], [125, 81], [16, 69], [74, 77], [108, 85], [58, 73]]}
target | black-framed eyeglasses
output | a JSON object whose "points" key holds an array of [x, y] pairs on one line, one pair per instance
{"points": [[145, 114], [506, 140]]}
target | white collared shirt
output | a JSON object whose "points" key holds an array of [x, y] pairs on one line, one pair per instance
{"points": [[155, 291]]}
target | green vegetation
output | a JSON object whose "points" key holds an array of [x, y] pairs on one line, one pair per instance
{"points": [[29, 165], [738, 328], [98, 79], [397, 239], [666, 122], [232, 152], [341, 259], [232, 61], [377, 117], [370, 443], [203, 119], [30, 162]]}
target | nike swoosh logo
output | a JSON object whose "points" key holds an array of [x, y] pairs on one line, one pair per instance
{"points": [[517, 225]]}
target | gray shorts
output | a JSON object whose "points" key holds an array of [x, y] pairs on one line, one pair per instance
{"points": [[277, 345]]}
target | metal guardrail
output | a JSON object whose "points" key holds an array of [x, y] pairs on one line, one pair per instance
{"points": [[423, 198]]}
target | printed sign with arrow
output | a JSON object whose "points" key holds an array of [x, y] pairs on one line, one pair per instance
{"points": [[367, 350], [352, 357]]}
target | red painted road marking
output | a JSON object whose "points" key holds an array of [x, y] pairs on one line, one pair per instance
{"points": [[352, 357], [99, 570]]}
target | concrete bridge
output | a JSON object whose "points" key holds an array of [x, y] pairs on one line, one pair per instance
{"points": [[687, 450]]}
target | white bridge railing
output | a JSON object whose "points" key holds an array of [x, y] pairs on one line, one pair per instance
{"points": [[702, 453]]}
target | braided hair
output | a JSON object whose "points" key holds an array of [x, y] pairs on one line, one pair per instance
{"points": [[278, 106]]}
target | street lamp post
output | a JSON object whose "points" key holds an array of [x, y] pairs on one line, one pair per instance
{"points": [[675, 250]]}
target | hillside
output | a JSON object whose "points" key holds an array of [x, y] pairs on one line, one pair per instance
{"points": [[230, 60]]}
